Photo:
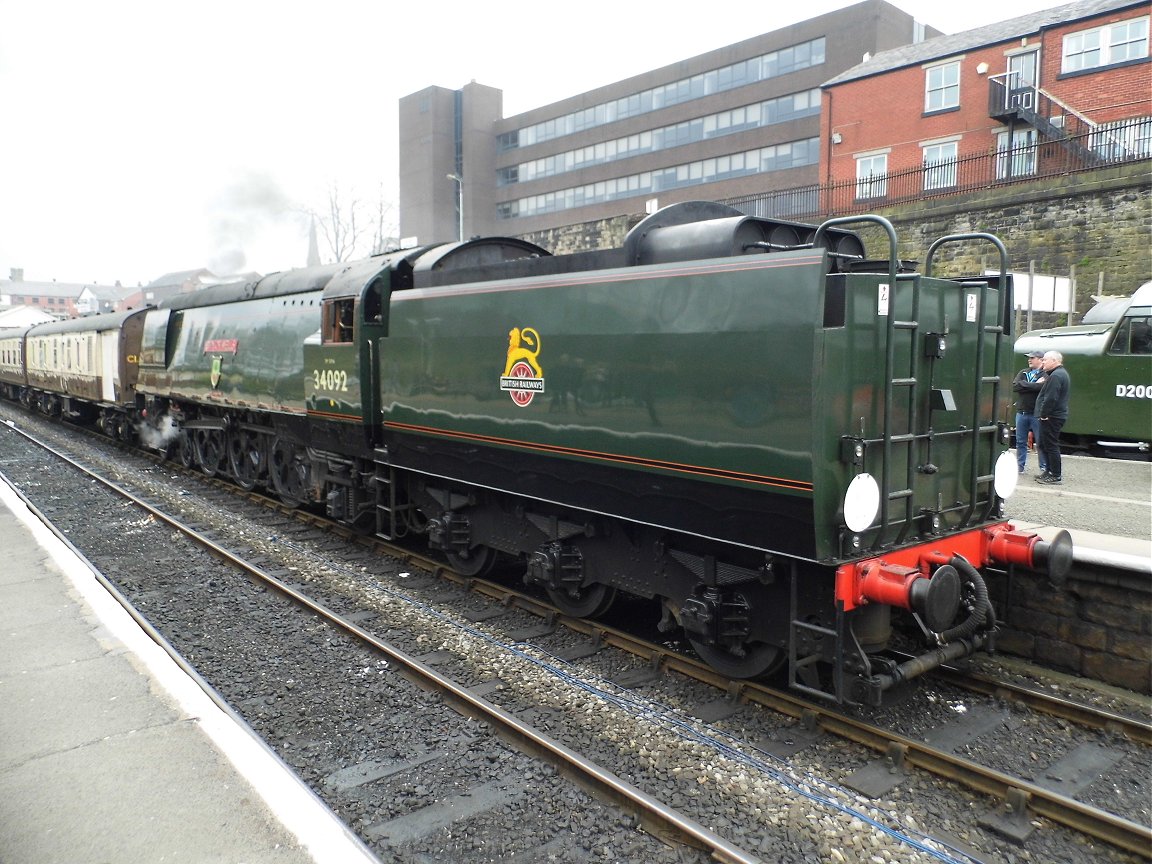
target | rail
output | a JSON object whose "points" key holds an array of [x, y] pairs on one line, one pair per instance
{"points": [[1028, 797], [658, 818]]}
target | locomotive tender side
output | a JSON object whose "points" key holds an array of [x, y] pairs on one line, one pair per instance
{"points": [[707, 430], [780, 442]]}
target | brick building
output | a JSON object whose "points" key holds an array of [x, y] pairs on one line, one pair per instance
{"points": [[1065, 89], [58, 299]]}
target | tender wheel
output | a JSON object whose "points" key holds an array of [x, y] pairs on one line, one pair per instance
{"points": [[584, 602], [246, 459], [758, 659], [479, 562]]}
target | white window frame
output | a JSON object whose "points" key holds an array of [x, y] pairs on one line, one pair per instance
{"points": [[1102, 45], [872, 183], [1122, 140], [942, 85], [1015, 157], [940, 169]]}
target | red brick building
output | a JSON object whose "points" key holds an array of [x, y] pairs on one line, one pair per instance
{"points": [[1065, 89]]}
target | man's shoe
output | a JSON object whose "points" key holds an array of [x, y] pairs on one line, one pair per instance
{"points": [[1048, 478], [1041, 476]]}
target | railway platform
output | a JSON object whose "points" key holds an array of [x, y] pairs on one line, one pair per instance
{"points": [[109, 751]]}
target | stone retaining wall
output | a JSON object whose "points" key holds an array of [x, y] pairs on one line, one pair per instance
{"points": [[1094, 625], [1093, 223]]}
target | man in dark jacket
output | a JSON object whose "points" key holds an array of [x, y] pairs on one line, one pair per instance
{"points": [[1027, 384], [1052, 409]]}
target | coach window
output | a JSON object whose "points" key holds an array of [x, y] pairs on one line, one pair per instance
{"points": [[340, 317]]}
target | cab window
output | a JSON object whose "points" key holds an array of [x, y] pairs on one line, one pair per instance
{"points": [[339, 321], [1133, 336]]}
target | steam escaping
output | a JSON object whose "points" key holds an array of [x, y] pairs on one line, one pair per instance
{"points": [[227, 262], [159, 435], [246, 212]]}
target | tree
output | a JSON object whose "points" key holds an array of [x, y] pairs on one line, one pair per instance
{"points": [[347, 227], [387, 231]]}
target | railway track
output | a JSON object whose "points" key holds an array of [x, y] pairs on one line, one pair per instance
{"points": [[657, 818], [1026, 799]]}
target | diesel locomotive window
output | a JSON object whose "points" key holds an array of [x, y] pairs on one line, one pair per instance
{"points": [[339, 320], [1133, 336]]}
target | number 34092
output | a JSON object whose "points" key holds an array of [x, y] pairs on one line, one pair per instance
{"points": [[332, 380]]}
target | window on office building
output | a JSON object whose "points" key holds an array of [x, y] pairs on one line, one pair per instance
{"points": [[942, 87], [1104, 46], [771, 65]]}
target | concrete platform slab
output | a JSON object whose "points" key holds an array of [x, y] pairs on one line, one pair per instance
{"points": [[109, 752]]}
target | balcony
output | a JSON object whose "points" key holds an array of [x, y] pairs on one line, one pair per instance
{"points": [[1011, 101]]}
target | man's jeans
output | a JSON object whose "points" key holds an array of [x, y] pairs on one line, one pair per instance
{"points": [[1026, 423]]}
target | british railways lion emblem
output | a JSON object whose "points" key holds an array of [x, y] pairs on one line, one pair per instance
{"points": [[523, 377]]}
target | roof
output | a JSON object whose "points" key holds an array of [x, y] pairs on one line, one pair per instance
{"points": [[23, 288], [990, 34], [86, 324], [180, 277], [110, 292], [23, 316]]}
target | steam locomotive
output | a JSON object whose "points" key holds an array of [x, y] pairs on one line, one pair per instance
{"points": [[782, 443]]}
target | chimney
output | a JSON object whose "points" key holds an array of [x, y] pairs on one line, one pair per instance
{"points": [[16, 274]]}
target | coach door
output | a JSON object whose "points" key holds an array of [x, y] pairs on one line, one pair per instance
{"points": [[109, 371]]}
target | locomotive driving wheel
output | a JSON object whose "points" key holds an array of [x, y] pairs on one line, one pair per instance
{"points": [[289, 473], [583, 601], [187, 450], [209, 450], [757, 658], [246, 458]]}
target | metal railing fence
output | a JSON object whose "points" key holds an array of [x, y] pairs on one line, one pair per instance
{"points": [[1100, 146]]}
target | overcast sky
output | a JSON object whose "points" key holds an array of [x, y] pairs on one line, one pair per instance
{"points": [[140, 138]]}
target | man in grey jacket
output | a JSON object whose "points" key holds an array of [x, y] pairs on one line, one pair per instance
{"points": [[1052, 409]]}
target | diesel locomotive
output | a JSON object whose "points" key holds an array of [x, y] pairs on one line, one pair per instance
{"points": [[781, 442], [1109, 356]]}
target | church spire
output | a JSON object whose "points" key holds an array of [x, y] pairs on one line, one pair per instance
{"points": [[313, 248]]}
